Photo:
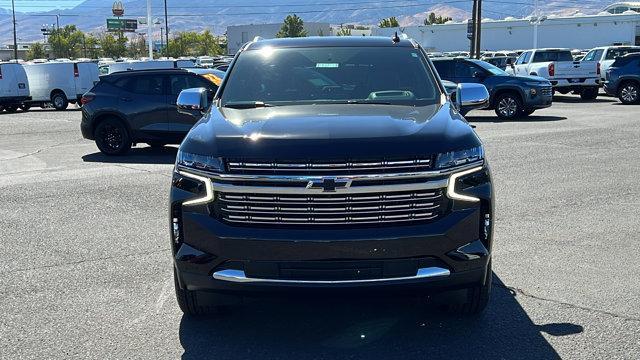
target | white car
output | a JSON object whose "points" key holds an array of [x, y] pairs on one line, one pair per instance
{"points": [[14, 87], [60, 83], [147, 65], [558, 66], [606, 55]]}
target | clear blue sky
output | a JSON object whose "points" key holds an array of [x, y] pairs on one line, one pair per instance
{"points": [[40, 5]]}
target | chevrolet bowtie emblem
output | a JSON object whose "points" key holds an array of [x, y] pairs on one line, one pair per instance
{"points": [[329, 184]]}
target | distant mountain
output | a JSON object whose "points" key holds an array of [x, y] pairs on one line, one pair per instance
{"points": [[216, 15]]}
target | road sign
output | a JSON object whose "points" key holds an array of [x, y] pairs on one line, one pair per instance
{"points": [[469, 29], [126, 25]]}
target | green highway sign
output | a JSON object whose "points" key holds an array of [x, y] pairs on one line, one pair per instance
{"points": [[126, 25]]}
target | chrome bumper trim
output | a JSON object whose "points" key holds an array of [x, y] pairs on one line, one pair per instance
{"points": [[238, 276], [357, 177], [427, 185]]}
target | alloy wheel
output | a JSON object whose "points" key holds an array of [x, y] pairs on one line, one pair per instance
{"points": [[629, 93], [507, 107]]}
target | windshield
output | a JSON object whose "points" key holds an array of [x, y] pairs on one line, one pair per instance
{"points": [[616, 53], [491, 68], [331, 75]]}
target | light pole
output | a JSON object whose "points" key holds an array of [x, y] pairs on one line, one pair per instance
{"points": [[15, 37], [536, 20], [166, 29], [149, 29]]}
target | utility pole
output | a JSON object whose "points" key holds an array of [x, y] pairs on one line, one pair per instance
{"points": [[478, 28], [166, 29], [15, 36], [149, 30], [474, 19]]}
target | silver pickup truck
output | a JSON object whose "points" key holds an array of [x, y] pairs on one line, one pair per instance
{"points": [[558, 66]]}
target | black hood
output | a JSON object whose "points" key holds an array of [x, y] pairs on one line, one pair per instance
{"points": [[351, 131]]}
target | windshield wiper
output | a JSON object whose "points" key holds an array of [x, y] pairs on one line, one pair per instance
{"points": [[246, 105]]}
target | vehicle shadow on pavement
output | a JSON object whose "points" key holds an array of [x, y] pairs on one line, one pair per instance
{"points": [[137, 155], [577, 99], [530, 118], [370, 329]]}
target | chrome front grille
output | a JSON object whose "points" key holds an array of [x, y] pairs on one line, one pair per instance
{"points": [[328, 168], [331, 209]]}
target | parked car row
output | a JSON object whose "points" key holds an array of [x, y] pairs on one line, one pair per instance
{"points": [[44, 84]]}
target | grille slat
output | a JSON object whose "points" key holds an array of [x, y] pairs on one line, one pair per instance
{"points": [[331, 209]]}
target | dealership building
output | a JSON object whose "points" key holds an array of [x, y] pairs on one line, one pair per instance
{"points": [[610, 27]]}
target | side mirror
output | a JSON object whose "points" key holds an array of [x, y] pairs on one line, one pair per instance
{"points": [[471, 96], [193, 99]]}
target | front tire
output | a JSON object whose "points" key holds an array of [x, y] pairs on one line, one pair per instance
{"points": [[477, 297], [629, 93], [11, 108], [188, 300], [508, 106], [25, 107], [589, 93], [59, 101], [112, 137]]}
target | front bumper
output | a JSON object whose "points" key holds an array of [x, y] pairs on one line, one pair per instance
{"points": [[540, 100], [451, 252]]}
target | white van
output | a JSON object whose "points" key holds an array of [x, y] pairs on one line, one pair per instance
{"points": [[14, 87], [149, 65], [60, 83]]}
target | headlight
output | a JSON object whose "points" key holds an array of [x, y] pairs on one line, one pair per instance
{"points": [[199, 162], [461, 157]]}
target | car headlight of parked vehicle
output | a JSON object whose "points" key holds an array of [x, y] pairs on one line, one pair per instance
{"points": [[185, 162], [459, 157]]}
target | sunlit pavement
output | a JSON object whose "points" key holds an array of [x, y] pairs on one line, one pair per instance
{"points": [[85, 269]]}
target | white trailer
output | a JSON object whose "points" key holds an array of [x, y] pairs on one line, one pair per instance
{"points": [[14, 87], [60, 83]]}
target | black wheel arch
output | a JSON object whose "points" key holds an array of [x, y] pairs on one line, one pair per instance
{"points": [[57, 91], [504, 90]]}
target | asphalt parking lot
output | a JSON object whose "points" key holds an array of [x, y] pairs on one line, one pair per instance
{"points": [[85, 270]]}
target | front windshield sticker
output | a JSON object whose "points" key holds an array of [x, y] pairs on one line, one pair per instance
{"points": [[327, 65]]}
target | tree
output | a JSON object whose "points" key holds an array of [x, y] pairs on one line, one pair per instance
{"points": [[292, 27], [389, 23], [113, 47], [432, 19], [137, 47], [190, 43], [91, 47], [36, 51], [66, 42]]}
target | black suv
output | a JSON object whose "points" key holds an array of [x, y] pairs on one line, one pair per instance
{"points": [[511, 96], [623, 79], [331, 164], [129, 107]]}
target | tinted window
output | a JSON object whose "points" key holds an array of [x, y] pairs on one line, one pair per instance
{"points": [[331, 74], [444, 68], [180, 82], [616, 53], [464, 69], [147, 85], [545, 56], [623, 61]]}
